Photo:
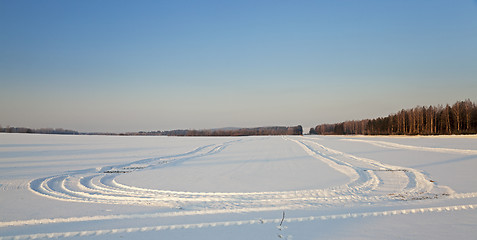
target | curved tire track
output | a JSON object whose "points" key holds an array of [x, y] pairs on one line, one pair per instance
{"points": [[370, 181]]}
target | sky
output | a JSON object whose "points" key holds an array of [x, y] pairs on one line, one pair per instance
{"points": [[118, 66]]}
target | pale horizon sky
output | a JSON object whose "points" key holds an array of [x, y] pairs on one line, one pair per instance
{"points": [[119, 66]]}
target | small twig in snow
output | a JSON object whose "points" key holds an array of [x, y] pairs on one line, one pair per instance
{"points": [[283, 218]]}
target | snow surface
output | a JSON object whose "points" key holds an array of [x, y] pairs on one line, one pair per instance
{"points": [[264, 187]]}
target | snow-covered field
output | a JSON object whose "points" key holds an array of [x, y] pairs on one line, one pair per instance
{"points": [[264, 187]]}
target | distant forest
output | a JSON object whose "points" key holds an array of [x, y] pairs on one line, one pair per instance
{"points": [[38, 131], [460, 118], [296, 130]]}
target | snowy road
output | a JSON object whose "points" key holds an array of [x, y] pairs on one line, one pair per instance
{"points": [[207, 186]]}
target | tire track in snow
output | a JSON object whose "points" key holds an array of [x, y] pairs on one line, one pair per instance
{"points": [[367, 184], [243, 222], [415, 148], [418, 187], [361, 180], [102, 188], [73, 187], [43, 221], [376, 178], [13, 185]]}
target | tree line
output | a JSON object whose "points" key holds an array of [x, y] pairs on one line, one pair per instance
{"points": [[295, 130], [460, 118], [9, 129]]}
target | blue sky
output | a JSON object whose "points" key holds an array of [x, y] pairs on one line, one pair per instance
{"points": [[155, 65]]}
